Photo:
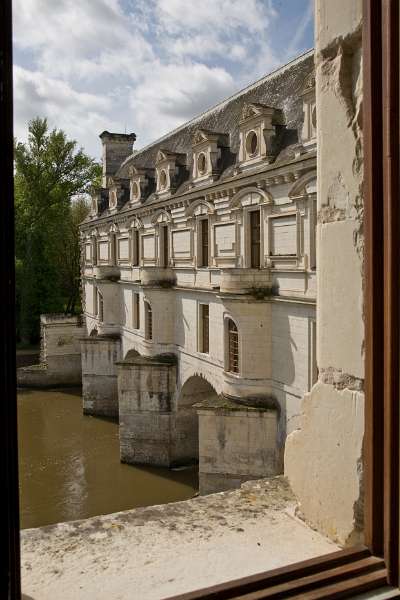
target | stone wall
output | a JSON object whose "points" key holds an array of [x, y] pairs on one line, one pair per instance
{"points": [[237, 443], [323, 458], [146, 387], [60, 354], [99, 375]]}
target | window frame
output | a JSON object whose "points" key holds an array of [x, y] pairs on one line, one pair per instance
{"points": [[202, 327], [227, 345], [382, 290], [148, 321]]}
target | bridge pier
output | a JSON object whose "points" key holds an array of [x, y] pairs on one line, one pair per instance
{"points": [[99, 375]]}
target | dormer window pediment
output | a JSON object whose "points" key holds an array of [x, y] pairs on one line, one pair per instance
{"points": [[257, 129]]}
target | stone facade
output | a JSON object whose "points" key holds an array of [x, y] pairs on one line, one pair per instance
{"points": [[201, 246]]}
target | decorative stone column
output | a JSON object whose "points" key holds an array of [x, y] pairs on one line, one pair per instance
{"points": [[237, 442], [99, 374]]}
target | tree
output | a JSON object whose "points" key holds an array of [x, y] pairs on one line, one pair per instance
{"points": [[49, 172], [68, 262]]}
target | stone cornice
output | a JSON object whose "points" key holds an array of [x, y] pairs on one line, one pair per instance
{"points": [[270, 175]]}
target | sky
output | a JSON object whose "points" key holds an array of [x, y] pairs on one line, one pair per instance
{"points": [[144, 66]]}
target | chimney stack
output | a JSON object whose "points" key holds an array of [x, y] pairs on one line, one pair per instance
{"points": [[116, 147]]}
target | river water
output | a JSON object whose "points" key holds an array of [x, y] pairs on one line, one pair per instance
{"points": [[69, 464]]}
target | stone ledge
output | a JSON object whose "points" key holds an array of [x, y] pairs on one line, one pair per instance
{"points": [[160, 551], [250, 404]]}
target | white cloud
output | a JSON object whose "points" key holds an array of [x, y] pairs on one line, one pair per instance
{"points": [[140, 65], [185, 90]]}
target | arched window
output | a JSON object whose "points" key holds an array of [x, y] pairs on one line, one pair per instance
{"points": [[233, 347], [149, 321]]}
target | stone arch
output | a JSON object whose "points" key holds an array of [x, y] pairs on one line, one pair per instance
{"points": [[196, 389], [299, 186], [131, 354], [135, 223], [265, 197], [161, 216], [195, 208]]}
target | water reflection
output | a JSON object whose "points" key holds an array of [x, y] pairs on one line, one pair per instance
{"points": [[69, 464]]}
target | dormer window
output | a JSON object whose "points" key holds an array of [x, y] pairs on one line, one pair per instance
{"points": [[309, 129], [210, 148], [202, 163], [251, 143], [258, 128], [141, 183], [113, 199], [118, 193], [135, 191], [170, 171], [163, 180]]}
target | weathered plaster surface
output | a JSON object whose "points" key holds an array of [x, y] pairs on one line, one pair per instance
{"points": [[323, 458], [329, 443], [153, 553]]}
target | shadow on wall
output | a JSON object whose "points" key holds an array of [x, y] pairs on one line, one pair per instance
{"points": [[196, 389]]}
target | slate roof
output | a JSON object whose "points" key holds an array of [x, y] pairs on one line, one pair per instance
{"points": [[280, 89]]}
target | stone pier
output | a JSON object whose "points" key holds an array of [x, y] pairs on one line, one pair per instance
{"points": [[237, 442], [147, 389], [100, 354], [60, 354]]}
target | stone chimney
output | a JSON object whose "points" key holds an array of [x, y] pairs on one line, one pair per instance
{"points": [[116, 147]]}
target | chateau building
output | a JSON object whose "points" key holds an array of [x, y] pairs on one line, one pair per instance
{"points": [[199, 283]]}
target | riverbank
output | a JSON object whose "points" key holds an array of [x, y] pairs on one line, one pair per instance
{"points": [[155, 552]]}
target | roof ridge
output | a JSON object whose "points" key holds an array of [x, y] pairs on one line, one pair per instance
{"points": [[273, 73]]}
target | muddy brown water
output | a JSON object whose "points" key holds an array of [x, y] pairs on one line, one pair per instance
{"points": [[69, 464]]}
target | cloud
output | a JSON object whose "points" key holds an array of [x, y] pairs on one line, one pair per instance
{"points": [[186, 90], [140, 65], [36, 94]]}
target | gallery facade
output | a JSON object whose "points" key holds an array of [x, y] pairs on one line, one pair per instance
{"points": [[199, 283]]}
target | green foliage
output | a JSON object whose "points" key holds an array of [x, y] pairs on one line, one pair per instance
{"points": [[51, 178]]}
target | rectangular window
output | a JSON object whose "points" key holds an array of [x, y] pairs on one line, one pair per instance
{"points": [[136, 311], [136, 256], [100, 307], [149, 321], [165, 246], [203, 243], [204, 328], [255, 239]]}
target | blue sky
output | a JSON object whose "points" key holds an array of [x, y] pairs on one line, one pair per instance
{"points": [[144, 65]]}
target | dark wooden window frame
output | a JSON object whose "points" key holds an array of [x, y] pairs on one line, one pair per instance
{"points": [[255, 244], [148, 321], [204, 328], [233, 350], [347, 572], [203, 246], [164, 230], [136, 248]]}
